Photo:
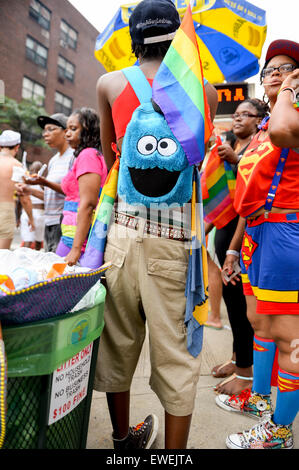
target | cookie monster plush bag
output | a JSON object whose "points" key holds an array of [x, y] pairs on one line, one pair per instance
{"points": [[153, 165], [154, 169]]}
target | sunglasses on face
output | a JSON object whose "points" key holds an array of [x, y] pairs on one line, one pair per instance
{"points": [[284, 68]]}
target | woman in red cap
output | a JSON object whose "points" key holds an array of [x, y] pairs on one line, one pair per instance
{"points": [[267, 196]]}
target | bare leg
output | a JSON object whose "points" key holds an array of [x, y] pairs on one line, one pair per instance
{"points": [[215, 294], [285, 332], [119, 409], [176, 431], [38, 246], [5, 243], [236, 385], [260, 323]]}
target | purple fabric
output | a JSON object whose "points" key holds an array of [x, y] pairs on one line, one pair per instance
{"points": [[87, 260], [62, 250], [193, 147]]}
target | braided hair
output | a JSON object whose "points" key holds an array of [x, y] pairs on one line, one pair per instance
{"points": [[90, 133], [261, 107]]}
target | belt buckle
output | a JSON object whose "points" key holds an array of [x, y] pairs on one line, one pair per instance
{"points": [[266, 214]]}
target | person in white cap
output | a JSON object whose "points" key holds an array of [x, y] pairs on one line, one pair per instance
{"points": [[54, 128], [9, 146]]}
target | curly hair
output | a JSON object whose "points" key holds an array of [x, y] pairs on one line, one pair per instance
{"points": [[90, 134]]}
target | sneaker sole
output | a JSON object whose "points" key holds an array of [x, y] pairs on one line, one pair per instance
{"points": [[230, 445], [154, 431], [228, 408]]}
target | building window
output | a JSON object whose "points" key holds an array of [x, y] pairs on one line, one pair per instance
{"points": [[68, 36], [40, 13], [33, 91], [65, 69], [36, 52], [63, 104]]}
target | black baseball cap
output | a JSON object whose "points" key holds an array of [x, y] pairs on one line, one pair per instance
{"points": [[57, 119], [154, 21]]}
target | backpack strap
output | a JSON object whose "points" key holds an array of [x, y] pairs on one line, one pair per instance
{"points": [[139, 83]]}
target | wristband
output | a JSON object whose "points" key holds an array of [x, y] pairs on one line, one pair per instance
{"points": [[233, 252], [291, 90]]}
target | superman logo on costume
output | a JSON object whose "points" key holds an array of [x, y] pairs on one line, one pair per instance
{"points": [[287, 385], [258, 347], [248, 164], [248, 248]]}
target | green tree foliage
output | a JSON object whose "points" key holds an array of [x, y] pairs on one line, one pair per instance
{"points": [[21, 117]]}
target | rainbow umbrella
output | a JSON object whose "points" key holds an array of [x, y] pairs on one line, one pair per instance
{"points": [[230, 37]]}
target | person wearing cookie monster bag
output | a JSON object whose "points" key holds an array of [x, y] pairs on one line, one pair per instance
{"points": [[148, 240]]}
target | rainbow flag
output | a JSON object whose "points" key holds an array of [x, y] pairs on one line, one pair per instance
{"points": [[95, 247], [178, 89], [196, 290], [218, 185]]}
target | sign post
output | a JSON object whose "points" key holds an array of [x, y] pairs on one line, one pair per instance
{"points": [[230, 95]]}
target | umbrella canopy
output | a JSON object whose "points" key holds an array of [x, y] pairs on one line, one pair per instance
{"points": [[230, 36]]}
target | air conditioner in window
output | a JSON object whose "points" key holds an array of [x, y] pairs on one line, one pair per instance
{"points": [[45, 33], [42, 72], [63, 43]]}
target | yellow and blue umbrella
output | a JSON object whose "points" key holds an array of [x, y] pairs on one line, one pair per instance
{"points": [[230, 36]]}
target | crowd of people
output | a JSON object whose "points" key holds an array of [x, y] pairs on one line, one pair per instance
{"points": [[147, 279]]}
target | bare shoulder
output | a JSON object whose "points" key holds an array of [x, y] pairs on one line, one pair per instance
{"points": [[212, 97], [9, 162], [111, 84]]}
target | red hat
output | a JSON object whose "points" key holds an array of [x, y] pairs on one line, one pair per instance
{"points": [[283, 47]]}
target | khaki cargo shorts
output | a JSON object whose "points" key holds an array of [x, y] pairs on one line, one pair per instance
{"points": [[146, 283], [7, 220]]}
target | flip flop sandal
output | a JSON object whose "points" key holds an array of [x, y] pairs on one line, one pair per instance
{"points": [[210, 325], [230, 361], [242, 377], [229, 379]]}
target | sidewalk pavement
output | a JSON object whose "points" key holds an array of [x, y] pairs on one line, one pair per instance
{"points": [[210, 424]]}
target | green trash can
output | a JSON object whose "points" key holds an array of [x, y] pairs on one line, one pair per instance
{"points": [[51, 367]]}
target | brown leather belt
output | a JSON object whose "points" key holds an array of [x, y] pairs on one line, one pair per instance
{"points": [[153, 228]]}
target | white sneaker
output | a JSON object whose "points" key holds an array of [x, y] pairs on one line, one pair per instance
{"points": [[265, 435]]}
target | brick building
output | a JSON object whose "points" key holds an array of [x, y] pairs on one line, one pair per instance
{"points": [[47, 53]]}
